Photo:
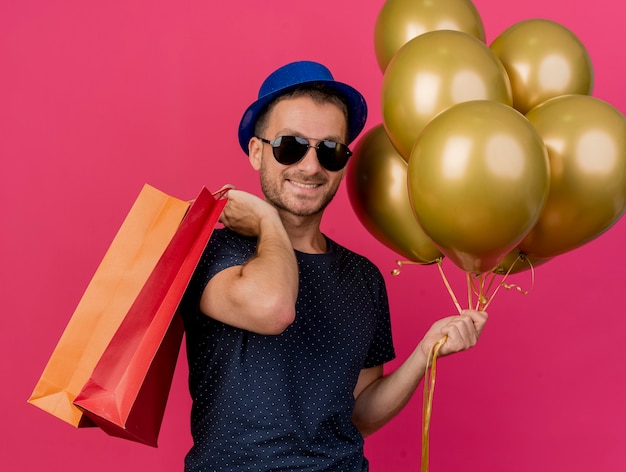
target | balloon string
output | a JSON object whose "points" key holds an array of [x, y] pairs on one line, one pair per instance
{"points": [[429, 390], [517, 287], [510, 286], [479, 285], [470, 291], [476, 289], [449, 288], [491, 281], [476, 284], [396, 272]]}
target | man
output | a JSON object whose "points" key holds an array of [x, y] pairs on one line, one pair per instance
{"points": [[287, 331]]}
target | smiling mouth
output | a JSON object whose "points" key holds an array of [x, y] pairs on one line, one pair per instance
{"points": [[304, 185]]}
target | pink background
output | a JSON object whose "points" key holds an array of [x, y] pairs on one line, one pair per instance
{"points": [[99, 98]]}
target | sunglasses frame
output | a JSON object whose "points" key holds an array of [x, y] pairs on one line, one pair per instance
{"points": [[328, 158]]}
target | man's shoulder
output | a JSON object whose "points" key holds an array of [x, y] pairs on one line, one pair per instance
{"points": [[351, 255], [225, 236]]}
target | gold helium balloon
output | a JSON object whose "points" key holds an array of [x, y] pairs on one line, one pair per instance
{"points": [[543, 60], [399, 21], [478, 178], [431, 73], [586, 141], [376, 185]]}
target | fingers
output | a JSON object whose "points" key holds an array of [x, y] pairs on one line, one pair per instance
{"points": [[223, 192], [244, 212], [461, 335], [478, 318], [463, 331]]}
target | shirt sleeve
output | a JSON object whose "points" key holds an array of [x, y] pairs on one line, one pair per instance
{"points": [[225, 249], [381, 348]]}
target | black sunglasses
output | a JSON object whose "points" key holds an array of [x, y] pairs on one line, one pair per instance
{"points": [[288, 150]]}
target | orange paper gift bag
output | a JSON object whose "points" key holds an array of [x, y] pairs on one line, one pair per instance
{"points": [[127, 391], [139, 244]]}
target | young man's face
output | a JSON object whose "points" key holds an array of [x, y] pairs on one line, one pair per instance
{"points": [[304, 188]]}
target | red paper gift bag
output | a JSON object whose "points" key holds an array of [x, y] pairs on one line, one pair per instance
{"points": [[137, 247], [127, 391]]}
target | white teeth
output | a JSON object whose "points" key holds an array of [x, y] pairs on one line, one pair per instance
{"points": [[301, 185]]}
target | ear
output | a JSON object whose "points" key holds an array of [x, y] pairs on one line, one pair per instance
{"points": [[255, 153]]}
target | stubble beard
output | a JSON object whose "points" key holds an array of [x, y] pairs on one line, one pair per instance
{"points": [[273, 196]]}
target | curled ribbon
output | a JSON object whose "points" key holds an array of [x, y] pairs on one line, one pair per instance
{"points": [[429, 390]]}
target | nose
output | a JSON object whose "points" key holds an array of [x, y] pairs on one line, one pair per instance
{"points": [[310, 162]]}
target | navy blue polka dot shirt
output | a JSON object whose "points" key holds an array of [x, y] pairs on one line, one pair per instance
{"points": [[284, 403]]}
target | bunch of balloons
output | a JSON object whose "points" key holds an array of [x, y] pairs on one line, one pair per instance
{"points": [[487, 153]]}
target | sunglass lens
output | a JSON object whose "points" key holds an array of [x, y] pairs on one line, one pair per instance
{"points": [[333, 156], [290, 149]]}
